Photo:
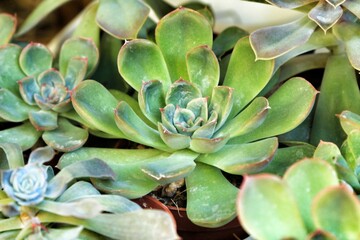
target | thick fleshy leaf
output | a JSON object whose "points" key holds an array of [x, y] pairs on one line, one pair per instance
{"points": [[317, 40], [12, 108], [353, 6], [52, 78], [97, 112], [24, 135], [222, 102], [349, 33], [210, 197], [181, 93], [39, 13], [10, 224], [7, 27], [305, 180], [206, 145], [349, 121], [290, 3], [154, 224], [10, 69], [28, 87], [339, 92], [78, 47], [351, 149], [177, 33], [41, 155], [178, 166], [94, 168], [242, 158], [227, 39], [43, 120], [247, 120], [325, 15], [66, 137], [75, 72], [138, 171], [328, 152], [174, 140], [141, 61], [83, 208], [257, 203], [272, 42], [246, 75], [289, 105], [337, 210], [11, 155], [151, 100], [135, 129], [88, 27], [285, 157], [122, 19], [35, 58], [203, 69], [77, 190], [112, 203]]}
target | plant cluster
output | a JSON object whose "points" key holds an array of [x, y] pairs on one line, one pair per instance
{"points": [[196, 108]]}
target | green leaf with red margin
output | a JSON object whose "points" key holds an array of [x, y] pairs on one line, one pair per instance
{"points": [[210, 197], [246, 75], [242, 158], [305, 180], [177, 33], [267, 210], [97, 112], [141, 61], [81, 48], [7, 27], [122, 19], [289, 106], [337, 210], [10, 69], [339, 91]]}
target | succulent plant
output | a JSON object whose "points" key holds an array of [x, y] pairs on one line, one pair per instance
{"points": [[38, 96], [184, 113], [307, 203], [346, 157], [36, 204], [339, 16]]}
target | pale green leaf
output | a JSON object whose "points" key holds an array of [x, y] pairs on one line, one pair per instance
{"points": [[141, 61], [177, 33], [242, 158], [246, 75], [272, 42], [210, 197], [122, 19], [263, 197], [66, 137], [305, 180]]}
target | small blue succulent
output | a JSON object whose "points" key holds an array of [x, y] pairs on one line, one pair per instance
{"points": [[26, 185]]}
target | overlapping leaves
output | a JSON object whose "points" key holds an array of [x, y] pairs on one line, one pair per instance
{"points": [[31, 204], [181, 106]]}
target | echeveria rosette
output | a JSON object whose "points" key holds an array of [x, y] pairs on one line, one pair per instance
{"points": [[196, 126], [339, 16], [26, 185], [308, 202], [37, 92], [33, 199]]}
